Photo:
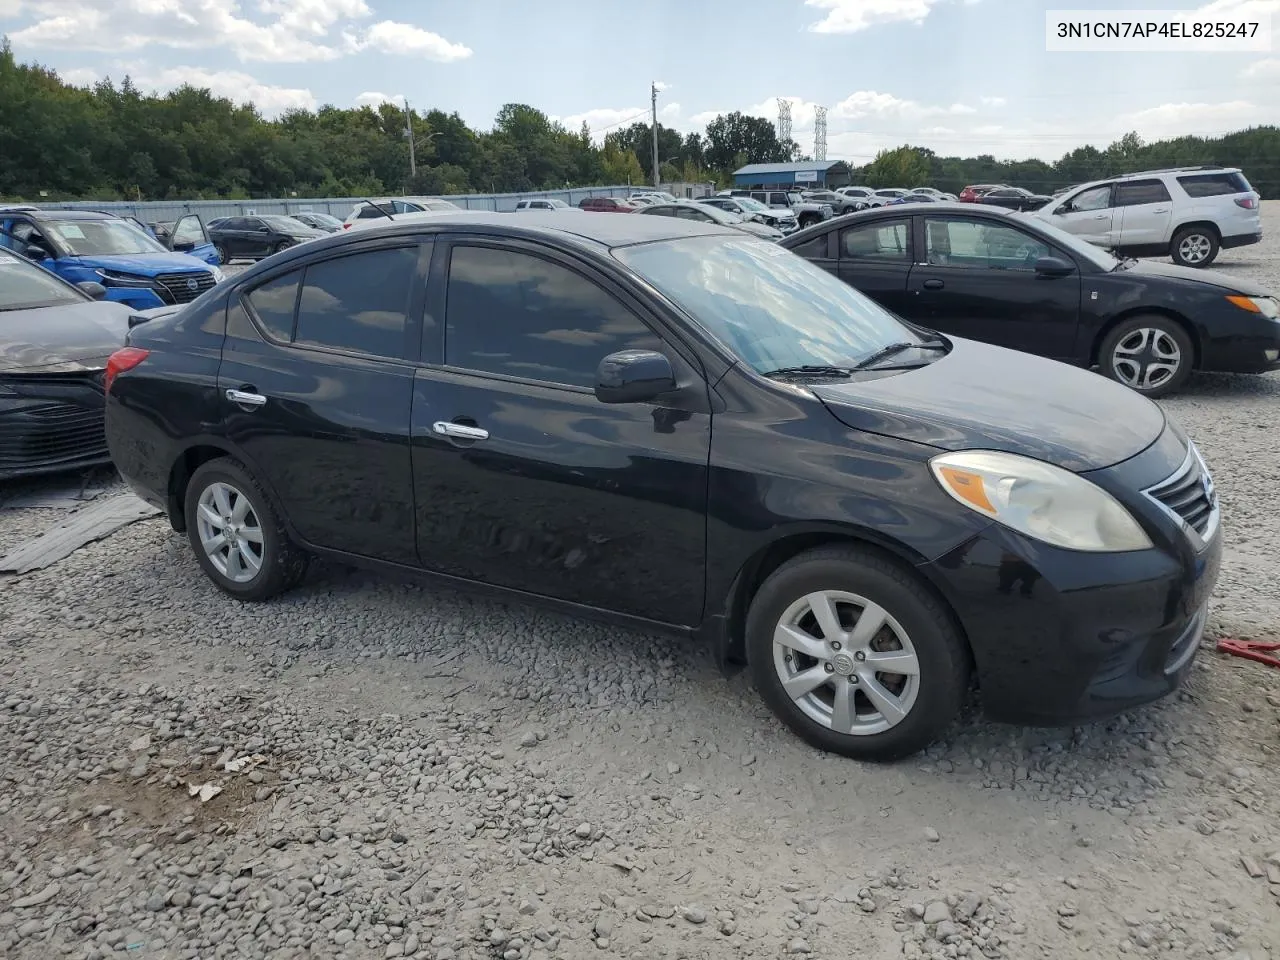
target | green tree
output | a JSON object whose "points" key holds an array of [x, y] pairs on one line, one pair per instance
{"points": [[731, 137], [903, 167]]}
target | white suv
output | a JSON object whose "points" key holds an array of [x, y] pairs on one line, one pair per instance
{"points": [[1188, 213], [379, 208]]}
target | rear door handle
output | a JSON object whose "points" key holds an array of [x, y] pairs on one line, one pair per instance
{"points": [[459, 431], [1102, 216], [245, 398], [934, 284]]}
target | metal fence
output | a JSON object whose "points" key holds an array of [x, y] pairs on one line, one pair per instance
{"points": [[340, 207]]}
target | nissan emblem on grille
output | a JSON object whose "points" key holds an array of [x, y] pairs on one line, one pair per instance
{"points": [[193, 284]]}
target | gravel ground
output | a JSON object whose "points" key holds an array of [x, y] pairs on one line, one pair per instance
{"points": [[436, 776]]}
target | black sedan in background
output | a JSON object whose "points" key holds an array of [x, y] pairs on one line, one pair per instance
{"points": [[1013, 198], [54, 343], [319, 221], [681, 427], [252, 238], [1018, 282]]}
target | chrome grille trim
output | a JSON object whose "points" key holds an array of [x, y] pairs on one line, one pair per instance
{"points": [[1189, 498]]}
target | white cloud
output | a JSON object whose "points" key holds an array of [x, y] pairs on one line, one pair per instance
{"points": [[1189, 119], [670, 112], [284, 31], [871, 103], [372, 99], [994, 101], [1268, 69], [660, 86], [79, 76], [705, 117], [231, 84], [851, 16], [603, 120], [388, 36]]}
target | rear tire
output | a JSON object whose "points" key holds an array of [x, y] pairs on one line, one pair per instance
{"points": [[829, 691], [1194, 247], [808, 220], [237, 535], [1149, 354], [281, 246]]}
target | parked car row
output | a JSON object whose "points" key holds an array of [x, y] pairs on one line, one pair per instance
{"points": [[679, 426]]}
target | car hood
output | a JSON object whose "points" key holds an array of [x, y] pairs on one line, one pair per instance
{"points": [[759, 229], [144, 264], [981, 397], [62, 339], [1171, 271]]}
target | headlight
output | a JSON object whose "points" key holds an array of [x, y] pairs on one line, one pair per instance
{"points": [[111, 278], [1040, 500], [1269, 307], [218, 275]]}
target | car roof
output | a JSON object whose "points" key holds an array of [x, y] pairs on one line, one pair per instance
{"points": [[895, 212], [74, 215]]}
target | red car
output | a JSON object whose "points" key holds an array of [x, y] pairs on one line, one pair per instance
{"points": [[971, 193], [606, 205]]}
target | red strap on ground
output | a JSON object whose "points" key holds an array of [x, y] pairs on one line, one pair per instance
{"points": [[1259, 650]]}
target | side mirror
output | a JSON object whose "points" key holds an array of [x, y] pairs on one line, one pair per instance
{"points": [[633, 376], [35, 252], [1053, 267], [262, 230], [93, 289]]}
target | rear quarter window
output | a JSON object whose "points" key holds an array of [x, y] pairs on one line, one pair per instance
{"points": [[1213, 184]]}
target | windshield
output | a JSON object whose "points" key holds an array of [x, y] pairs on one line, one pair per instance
{"points": [[1081, 248], [755, 206], [770, 307], [285, 223], [97, 238], [323, 218], [24, 285]]}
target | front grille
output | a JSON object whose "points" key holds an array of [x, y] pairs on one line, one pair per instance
{"points": [[50, 435], [177, 287], [1189, 495]]}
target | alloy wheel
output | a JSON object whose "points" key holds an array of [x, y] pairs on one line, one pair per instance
{"points": [[1146, 358], [846, 663], [230, 532], [1195, 248]]}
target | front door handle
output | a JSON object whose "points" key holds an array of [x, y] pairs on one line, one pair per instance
{"points": [[1102, 216], [245, 398], [934, 284], [459, 431]]}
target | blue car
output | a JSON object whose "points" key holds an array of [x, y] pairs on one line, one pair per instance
{"points": [[135, 268]]}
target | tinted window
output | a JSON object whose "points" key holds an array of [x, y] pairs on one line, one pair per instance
{"points": [[1214, 184], [358, 303], [273, 304], [231, 223], [522, 316], [1098, 198], [26, 285], [817, 247], [368, 213], [659, 212], [875, 241], [1140, 191], [187, 230], [985, 246], [687, 213]]}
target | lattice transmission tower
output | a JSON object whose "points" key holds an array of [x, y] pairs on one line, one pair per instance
{"points": [[820, 133], [784, 119]]}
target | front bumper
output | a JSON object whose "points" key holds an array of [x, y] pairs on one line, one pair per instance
{"points": [[1061, 637], [56, 425], [1240, 342]]}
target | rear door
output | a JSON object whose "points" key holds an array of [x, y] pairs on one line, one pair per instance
{"points": [[977, 279], [316, 389], [821, 251], [232, 235], [1090, 215], [553, 492], [875, 258], [1144, 210]]}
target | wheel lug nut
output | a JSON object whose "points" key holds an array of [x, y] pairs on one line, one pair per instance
{"points": [[829, 668], [853, 678], [835, 644], [859, 656]]}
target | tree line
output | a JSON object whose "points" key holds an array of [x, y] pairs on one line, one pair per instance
{"points": [[112, 141]]}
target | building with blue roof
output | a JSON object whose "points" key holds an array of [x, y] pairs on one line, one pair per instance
{"points": [[806, 174]]}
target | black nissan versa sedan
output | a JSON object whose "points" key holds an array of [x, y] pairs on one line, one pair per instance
{"points": [[678, 426], [1018, 282]]}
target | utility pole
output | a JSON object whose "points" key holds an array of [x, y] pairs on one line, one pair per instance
{"points": [[653, 96], [408, 132]]}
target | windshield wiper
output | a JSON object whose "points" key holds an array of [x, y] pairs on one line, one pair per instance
{"points": [[811, 370], [893, 349]]}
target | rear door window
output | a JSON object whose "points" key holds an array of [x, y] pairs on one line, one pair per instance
{"points": [[1135, 192], [876, 241], [358, 303], [274, 303]]}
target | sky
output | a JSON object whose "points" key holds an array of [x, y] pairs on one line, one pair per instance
{"points": [[963, 77]]}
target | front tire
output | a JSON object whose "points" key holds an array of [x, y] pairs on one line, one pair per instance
{"points": [[854, 654], [281, 247], [223, 259], [808, 220], [1194, 247], [1150, 354], [238, 538]]}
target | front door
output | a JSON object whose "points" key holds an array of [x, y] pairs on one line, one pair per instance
{"points": [[1090, 215], [523, 479], [190, 237], [875, 258], [1145, 211], [316, 389], [977, 279]]}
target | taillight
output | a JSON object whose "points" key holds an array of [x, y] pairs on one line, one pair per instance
{"points": [[126, 358], [1247, 202], [346, 226]]}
